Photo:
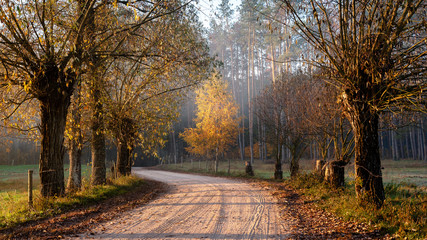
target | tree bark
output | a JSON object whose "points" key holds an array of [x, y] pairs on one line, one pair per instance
{"points": [[251, 145], [336, 173], [53, 113], [75, 169], [369, 183], [278, 173], [216, 160], [294, 166], [98, 136], [123, 162], [75, 149]]}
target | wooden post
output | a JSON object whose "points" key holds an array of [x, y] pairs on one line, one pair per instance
{"points": [[30, 188]]}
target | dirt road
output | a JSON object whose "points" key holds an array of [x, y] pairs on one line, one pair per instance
{"points": [[199, 207]]}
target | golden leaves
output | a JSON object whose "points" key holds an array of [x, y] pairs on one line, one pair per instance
{"points": [[217, 124]]}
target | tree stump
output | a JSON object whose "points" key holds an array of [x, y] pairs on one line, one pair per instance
{"points": [[334, 173], [248, 168], [278, 173], [320, 168]]}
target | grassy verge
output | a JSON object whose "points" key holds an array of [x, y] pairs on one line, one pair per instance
{"points": [[14, 209], [403, 215]]}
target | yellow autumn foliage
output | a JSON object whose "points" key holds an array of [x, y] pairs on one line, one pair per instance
{"points": [[217, 124]]}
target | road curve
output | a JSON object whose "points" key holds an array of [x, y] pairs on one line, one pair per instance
{"points": [[199, 207]]}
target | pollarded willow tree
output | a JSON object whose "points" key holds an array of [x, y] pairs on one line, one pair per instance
{"points": [[217, 124], [143, 95], [113, 27], [45, 45], [38, 52], [374, 52]]}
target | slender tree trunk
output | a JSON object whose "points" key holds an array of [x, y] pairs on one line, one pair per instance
{"points": [[381, 134], [216, 160], [53, 113], [76, 141], [75, 151], [396, 155], [423, 142], [414, 149], [250, 114], [229, 165], [174, 146], [278, 173], [265, 142], [273, 68], [243, 122]]}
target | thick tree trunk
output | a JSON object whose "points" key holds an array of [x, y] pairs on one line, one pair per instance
{"points": [[294, 166], [369, 183], [123, 163], [98, 136], [53, 113], [296, 148]]}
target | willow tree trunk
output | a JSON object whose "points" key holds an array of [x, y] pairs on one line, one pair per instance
{"points": [[278, 173], [294, 166], [98, 136], [123, 163], [53, 113], [369, 182]]}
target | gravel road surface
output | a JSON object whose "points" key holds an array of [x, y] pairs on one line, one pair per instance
{"points": [[199, 207]]}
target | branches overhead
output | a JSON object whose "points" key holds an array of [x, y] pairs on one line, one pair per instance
{"points": [[380, 40]]}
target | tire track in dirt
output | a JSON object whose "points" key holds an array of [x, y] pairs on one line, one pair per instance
{"points": [[199, 207]]}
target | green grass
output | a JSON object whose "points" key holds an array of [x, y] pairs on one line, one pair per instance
{"points": [[404, 171], [14, 207], [15, 178], [403, 214]]}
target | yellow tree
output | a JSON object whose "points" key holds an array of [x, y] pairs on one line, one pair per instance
{"points": [[216, 123]]}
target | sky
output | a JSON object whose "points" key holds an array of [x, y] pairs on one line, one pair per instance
{"points": [[208, 7]]}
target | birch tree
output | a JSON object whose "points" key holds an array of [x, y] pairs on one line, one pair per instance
{"points": [[217, 124]]}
